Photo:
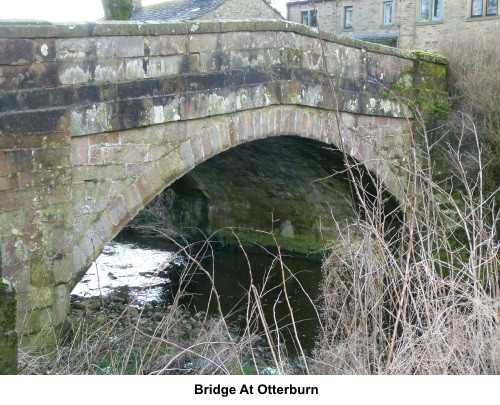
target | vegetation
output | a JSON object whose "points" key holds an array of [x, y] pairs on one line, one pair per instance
{"points": [[423, 300], [117, 9]]}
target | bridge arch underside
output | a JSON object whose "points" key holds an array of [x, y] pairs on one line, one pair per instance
{"points": [[109, 193], [297, 188]]}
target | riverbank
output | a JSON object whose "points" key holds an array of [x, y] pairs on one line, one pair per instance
{"points": [[110, 336]]}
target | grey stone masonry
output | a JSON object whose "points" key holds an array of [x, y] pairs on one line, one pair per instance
{"points": [[98, 118]]}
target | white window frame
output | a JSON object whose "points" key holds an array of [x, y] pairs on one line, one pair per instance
{"points": [[388, 5], [348, 10], [433, 13], [484, 8], [304, 17], [309, 18]]}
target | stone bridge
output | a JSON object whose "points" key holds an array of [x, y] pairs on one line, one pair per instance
{"points": [[96, 119]]}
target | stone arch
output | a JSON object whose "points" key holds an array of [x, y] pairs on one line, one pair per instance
{"points": [[193, 142]]}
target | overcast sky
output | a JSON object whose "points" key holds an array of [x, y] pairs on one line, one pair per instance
{"points": [[70, 10]]}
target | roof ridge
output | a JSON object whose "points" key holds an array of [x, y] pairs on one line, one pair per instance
{"points": [[176, 10]]}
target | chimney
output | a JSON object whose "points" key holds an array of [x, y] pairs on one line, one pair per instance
{"points": [[136, 4]]}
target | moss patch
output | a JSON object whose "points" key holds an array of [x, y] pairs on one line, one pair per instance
{"points": [[8, 335]]}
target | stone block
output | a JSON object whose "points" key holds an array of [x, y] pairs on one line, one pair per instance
{"points": [[133, 200], [42, 275], [203, 27], [45, 178], [172, 167], [92, 119], [131, 113], [272, 25], [172, 28], [61, 303], [17, 51], [17, 160], [62, 268], [104, 47], [129, 46], [33, 322], [165, 65], [119, 28], [34, 122], [71, 72], [174, 44], [139, 88], [237, 25], [80, 151], [150, 183], [103, 71], [203, 43], [28, 76], [206, 144], [266, 40], [119, 154], [52, 158], [75, 48], [215, 139], [135, 68], [73, 30], [27, 29], [16, 199], [8, 182]]}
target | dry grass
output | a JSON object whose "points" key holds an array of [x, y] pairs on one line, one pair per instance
{"points": [[424, 300], [474, 85], [105, 342]]}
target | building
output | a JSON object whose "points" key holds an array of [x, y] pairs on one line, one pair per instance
{"points": [[204, 9], [410, 24]]}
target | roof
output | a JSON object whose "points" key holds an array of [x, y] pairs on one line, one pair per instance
{"points": [[176, 10]]}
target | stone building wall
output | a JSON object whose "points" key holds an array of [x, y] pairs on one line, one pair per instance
{"points": [[406, 27], [327, 13], [240, 9]]}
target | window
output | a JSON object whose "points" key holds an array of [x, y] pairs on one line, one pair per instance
{"points": [[491, 7], [431, 10], [305, 17], [388, 11], [348, 17], [314, 18], [479, 6], [309, 18]]}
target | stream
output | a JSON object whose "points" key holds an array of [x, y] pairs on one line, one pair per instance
{"points": [[144, 270]]}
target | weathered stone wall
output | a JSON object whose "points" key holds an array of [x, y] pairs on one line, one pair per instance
{"points": [[236, 9], [36, 216], [413, 34], [96, 119]]}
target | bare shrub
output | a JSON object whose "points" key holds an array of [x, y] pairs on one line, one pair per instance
{"points": [[426, 303], [474, 84]]}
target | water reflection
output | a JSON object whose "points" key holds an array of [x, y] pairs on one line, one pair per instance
{"points": [[127, 269], [141, 270]]}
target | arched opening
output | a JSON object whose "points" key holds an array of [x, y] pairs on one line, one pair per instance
{"points": [[255, 215]]}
